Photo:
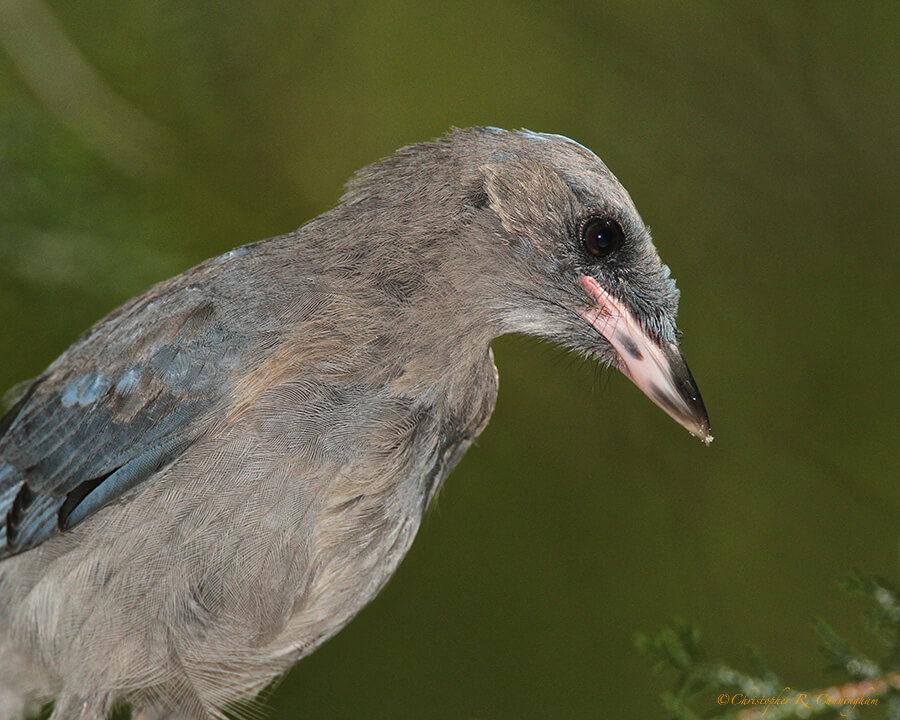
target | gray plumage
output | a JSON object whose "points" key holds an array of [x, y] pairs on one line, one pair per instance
{"points": [[218, 475]]}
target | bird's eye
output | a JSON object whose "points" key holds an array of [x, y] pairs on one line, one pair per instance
{"points": [[601, 236]]}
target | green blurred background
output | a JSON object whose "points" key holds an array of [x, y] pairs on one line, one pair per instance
{"points": [[760, 142]]}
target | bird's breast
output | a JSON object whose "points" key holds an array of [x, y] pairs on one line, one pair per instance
{"points": [[372, 506]]}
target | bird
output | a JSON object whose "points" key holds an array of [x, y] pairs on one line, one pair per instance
{"points": [[220, 474]]}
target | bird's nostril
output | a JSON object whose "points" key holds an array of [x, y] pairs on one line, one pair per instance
{"points": [[630, 346]]}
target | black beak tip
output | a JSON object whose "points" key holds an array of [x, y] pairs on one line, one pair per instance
{"points": [[694, 415], [701, 418]]}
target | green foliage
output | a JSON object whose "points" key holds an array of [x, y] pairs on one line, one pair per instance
{"points": [[867, 688]]}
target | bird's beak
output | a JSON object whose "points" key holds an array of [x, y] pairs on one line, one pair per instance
{"points": [[658, 370]]}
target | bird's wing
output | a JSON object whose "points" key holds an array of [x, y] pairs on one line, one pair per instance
{"points": [[122, 402]]}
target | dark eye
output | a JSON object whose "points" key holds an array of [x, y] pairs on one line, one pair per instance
{"points": [[601, 236]]}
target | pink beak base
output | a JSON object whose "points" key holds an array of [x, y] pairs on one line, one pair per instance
{"points": [[660, 372]]}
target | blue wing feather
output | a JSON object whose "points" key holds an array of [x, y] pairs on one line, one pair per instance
{"points": [[125, 400]]}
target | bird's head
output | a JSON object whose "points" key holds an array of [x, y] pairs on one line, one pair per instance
{"points": [[582, 269], [552, 243]]}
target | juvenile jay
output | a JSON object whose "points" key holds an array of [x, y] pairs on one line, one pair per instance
{"points": [[216, 477]]}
